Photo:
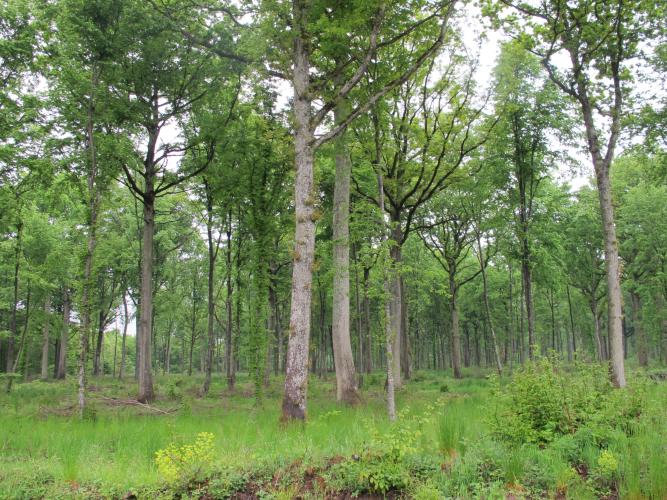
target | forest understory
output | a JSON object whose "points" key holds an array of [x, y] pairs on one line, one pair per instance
{"points": [[454, 439]]}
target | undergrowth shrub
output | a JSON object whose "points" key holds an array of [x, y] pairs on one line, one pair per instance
{"points": [[181, 463], [391, 462], [543, 402]]}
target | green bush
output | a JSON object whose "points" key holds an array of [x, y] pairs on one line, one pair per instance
{"points": [[543, 402]]}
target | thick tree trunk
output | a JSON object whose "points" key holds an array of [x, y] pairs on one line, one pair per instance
{"points": [[296, 379], [640, 334], [454, 313], [346, 383], [146, 393], [64, 336], [45, 339]]}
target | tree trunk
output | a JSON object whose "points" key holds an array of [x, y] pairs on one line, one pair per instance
{"points": [[93, 205], [296, 379], [45, 339], [612, 262], [229, 359], [396, 309], [212, 254], [146, 393], [13, 324], [64, 336], [526, 275], [99, 346], [126, 318], [572, 347], [22, 340], [406, 362], [598, 337], [368, 361], [454, 313], [389, 300], [640, 334], [346, 383], [487, 308]]}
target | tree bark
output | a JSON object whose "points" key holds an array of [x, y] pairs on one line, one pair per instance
{"points": [[212, 254], [126, 317], [296, 379], [99, 346], [640, 334], [454, 313], [13, 324], [346, 383], [487, 308], [612, 261], [598, 337], [146, 393], [64, 336], [229, 358], [22, 341], [45, 339], [397, 300]]}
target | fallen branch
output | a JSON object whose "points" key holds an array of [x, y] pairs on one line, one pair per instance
{"points": [[134, 402]]}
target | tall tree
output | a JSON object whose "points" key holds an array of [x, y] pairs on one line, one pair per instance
{"points": [[599, 38]]}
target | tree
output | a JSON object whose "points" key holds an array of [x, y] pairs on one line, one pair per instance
{"points": [[599, 38]]}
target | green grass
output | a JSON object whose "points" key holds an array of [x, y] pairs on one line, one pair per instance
{"points": [[45, 453]]}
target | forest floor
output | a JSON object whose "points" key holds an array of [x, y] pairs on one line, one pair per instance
{"points": [[230, 445]]}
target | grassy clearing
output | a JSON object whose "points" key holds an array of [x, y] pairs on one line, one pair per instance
{"points": [[442, 445]]}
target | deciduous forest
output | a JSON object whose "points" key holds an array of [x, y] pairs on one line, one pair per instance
{"points": [[333, 249]]}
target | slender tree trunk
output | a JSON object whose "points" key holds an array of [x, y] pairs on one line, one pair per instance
{"points": [[368, 362], [13, 324], [93, 205], [598, 338], [45, 339], [526, 274], [454, 313], [612, 261], [346, 382], [123, 351], [212, 254], [391, 330], [146, 393], [296, 379], [16, 361], [99, 346], [487, 308], [358, 313], [396, 310], [64, 336], [406, 362], [229, 358], [572, 348], [640, 335]]}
